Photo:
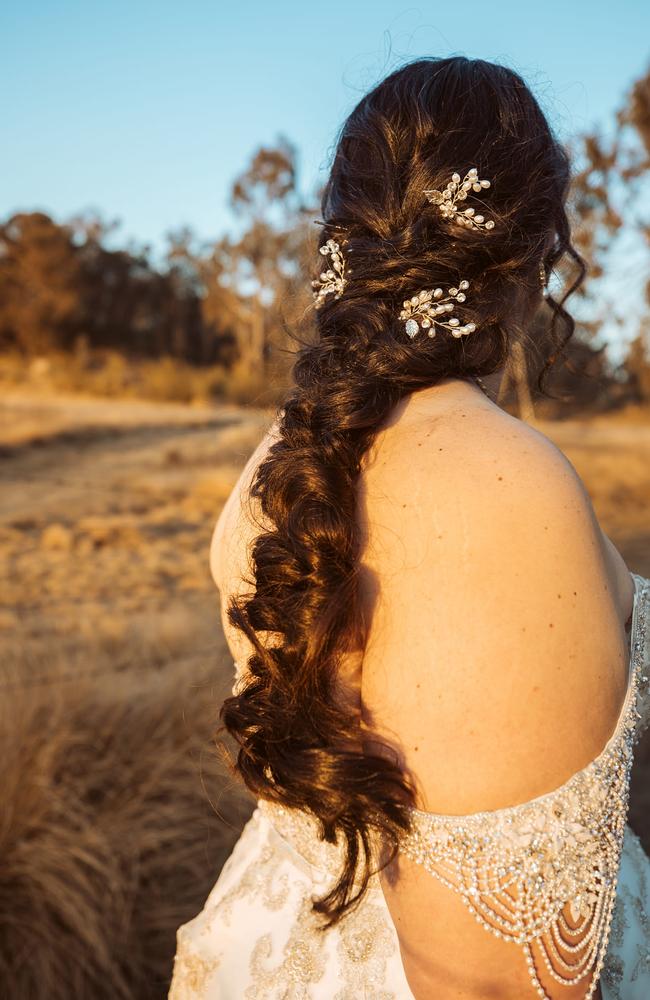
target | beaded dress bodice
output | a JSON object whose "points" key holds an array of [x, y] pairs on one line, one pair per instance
{"points": [[542, 874]]}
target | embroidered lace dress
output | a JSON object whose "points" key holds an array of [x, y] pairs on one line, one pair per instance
{"points": [[561, 876]]}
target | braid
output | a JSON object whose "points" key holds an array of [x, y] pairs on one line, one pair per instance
{"points": [[288, 719]]}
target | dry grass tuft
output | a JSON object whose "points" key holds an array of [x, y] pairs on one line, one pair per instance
{"points": [[108, 840]]}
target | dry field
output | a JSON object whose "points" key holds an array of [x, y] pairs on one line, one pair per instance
{"points": [[106, 513], [117, 812], [113, 665]]}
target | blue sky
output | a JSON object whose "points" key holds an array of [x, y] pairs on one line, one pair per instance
{"points": [[146, 111]]}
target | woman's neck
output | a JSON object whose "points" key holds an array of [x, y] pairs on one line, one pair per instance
{"points": [[456, 389]]}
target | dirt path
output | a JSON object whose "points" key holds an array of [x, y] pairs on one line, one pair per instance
{"points": [[106, 511]]}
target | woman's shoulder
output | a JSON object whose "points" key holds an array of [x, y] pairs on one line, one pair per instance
{"points": [[466, 473], [490, 573], [465, 463], [467, 438]]}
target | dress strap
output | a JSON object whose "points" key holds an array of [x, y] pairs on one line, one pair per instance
{"points": [[633, 620], [640, 650], [543, 874], [639, 583]]}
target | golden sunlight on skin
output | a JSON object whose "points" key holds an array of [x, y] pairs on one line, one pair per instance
{"points": [[534, 671]]}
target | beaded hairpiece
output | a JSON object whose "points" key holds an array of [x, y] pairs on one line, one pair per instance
{"points": [[422, 309], [425, 309], [332, 281], [457, 191]]}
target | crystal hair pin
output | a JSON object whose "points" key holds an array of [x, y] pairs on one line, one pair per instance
{"points": [[333, 280], [457, 191], [423, 310]]}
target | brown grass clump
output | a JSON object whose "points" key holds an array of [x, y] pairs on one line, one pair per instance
{"points": [[108, 839]]}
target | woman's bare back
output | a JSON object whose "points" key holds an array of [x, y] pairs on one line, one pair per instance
{"points": [[387, 534]]}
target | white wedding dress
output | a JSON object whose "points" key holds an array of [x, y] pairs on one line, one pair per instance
{"points": [[570, 850]]}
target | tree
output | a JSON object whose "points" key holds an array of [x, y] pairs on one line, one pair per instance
{"points": [[40, 279], [637, 366], [262, 263]]}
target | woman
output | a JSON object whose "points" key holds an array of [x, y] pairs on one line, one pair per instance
{"points": [[441, 658]]}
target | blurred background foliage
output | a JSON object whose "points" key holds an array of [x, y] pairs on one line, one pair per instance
{"points": [[214, 320]]}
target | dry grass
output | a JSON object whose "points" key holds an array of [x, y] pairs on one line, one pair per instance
{"points": [[108, 838], [113, 666], [112, 670], [110, 374], [106, 512]]}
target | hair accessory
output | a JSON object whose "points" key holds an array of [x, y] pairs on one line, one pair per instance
{"points": [[542, 275], [332, 281], [457, 191], [423, 309]]}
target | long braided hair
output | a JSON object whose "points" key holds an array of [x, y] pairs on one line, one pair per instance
{"points": [[297, 744]]}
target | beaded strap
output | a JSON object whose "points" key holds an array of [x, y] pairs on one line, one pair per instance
{"points": [[642, 649], [544, 874]]}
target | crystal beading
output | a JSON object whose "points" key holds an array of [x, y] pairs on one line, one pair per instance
{"points": [[559, 852]]}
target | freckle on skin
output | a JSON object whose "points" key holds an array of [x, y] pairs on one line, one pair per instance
{"points": [[550, 624], [499, 477]]}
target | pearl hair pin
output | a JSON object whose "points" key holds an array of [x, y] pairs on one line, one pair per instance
{"points": [[424, 309], [333, 280], [457, 191], [429, 308]]}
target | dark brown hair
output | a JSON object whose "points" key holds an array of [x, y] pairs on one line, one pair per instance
{"points": [[297, 744]]}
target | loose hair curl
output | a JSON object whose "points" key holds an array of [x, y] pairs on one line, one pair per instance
{"points": [[298, 744]]}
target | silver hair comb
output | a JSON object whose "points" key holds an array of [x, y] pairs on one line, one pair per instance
{"points": [[457, 191]]}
